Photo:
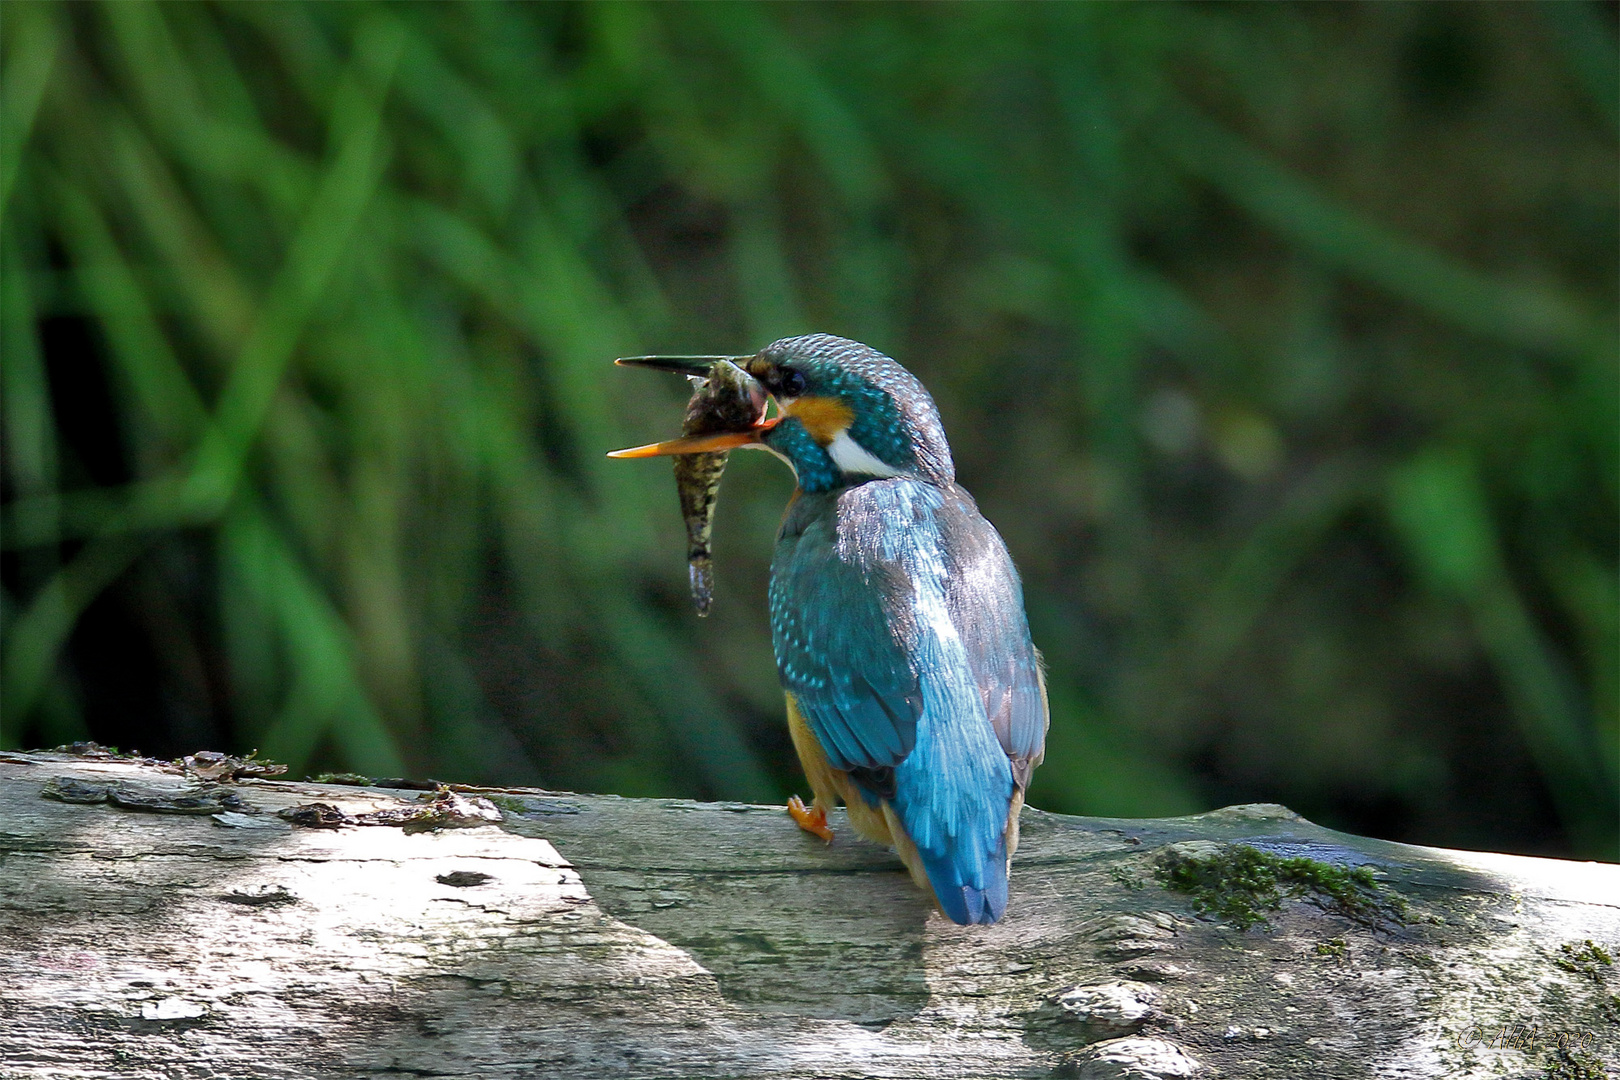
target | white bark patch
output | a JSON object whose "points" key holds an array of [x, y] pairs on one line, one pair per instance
{"points": [[1115, 1006], [1138, 1059], [173, 1008]]}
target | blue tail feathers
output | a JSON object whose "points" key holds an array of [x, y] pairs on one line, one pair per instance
{"points": [[952, 795], [964, 903]]}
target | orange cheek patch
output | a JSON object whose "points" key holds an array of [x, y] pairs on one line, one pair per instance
{"points": [[824, 417]]}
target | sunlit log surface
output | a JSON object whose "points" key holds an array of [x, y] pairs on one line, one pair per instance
{"points": [[592, 936]]}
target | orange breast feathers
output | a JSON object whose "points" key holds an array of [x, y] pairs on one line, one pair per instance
{"points": [[825, 418]]}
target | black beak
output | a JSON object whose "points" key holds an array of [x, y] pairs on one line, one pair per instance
{"points": [[681, 365]]}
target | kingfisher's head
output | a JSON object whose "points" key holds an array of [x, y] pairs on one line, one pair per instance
{"points": [[848, 414], [845, 414]]}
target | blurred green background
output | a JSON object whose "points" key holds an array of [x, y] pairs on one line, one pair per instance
{"points": [[1278, 340]]}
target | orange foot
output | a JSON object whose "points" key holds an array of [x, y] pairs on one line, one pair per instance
{"points": [[810, 820]]}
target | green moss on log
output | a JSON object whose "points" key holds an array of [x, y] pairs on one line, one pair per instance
{"points": [[1239, 884], [1569, 1064]]}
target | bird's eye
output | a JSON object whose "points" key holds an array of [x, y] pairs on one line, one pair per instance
{"points": [[790, 382]]}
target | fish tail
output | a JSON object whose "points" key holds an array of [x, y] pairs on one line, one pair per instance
{"points": [[700, 568]]}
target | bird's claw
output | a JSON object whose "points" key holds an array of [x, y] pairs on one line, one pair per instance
{"points": [[810, 819]]}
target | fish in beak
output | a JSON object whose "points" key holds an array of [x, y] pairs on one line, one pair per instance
{"points": [[726, 412]]}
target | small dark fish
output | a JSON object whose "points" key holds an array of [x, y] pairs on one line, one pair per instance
{"points": [[728, 400]]}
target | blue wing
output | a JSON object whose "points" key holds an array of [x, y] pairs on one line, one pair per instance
{"points": [[899, 629], [840, 624]]}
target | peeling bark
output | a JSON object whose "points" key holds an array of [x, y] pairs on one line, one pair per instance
{"points": [[589, 936]]}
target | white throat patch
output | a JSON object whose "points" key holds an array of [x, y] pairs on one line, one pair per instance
{"points": [[856, 460]]}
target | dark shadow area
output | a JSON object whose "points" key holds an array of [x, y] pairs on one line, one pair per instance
{"points": [[785, 924]]}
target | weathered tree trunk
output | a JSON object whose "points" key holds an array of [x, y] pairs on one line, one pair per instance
{"points": [[591, 936]]}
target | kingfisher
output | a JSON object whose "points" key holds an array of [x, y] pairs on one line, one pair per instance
{"points": [[915, 694]]}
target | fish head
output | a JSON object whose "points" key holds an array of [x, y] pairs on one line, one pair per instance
{"points": [[726, 412]]}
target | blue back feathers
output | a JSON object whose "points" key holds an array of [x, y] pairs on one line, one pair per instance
{"points": [[888, 601]]}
